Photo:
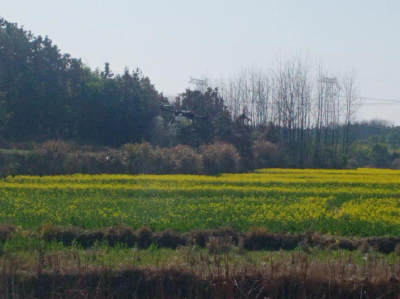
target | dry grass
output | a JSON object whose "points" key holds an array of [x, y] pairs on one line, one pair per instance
{"points": [[192, 273], [112, 266]]}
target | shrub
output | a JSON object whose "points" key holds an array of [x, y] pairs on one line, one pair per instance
{"points": [[121, 235], [138, 157], [184, 160], [66, 235], [110, 161], [12, 163], [347, 244], [396, 164], [49, 157], [379, 155], [6, 230], [383, 244], [162, 160], [144, 237], [260, 239], [219, 158], [265, 154], [169, 239], [199, 237], [90, 238], [88, 163]]}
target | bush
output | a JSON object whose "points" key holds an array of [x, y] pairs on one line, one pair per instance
{"points": [[110, 162], [12, 163], [107, 161], [6, 230], [121, 235], [184, 160], [396, 164], [145, 236], [265, 154], [169, 239], [57, 157], [380, 155], [138, 157], [66, 235], [49, 157], [220, 158], [260, 239], [162, 161], [383, 244], [90, 238], [87, 163]]}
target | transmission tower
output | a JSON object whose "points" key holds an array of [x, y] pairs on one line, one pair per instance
{"points": [[331, 111], [330, 86], [198, 84], [330, 94]]}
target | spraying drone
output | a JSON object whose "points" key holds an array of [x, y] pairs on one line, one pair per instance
{"points": [[182, 118]]}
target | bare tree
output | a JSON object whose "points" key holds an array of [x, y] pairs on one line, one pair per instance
{"points": [[312, 110], [293, 88], [351, 103]]}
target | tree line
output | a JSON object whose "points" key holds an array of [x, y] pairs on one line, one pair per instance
{"points": [[48, 95], [304, 113]]}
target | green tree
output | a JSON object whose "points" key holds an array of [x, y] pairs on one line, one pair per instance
{"points": [[218, 126], [51, 95], [393, 140], [380, 155], [3, 113]]}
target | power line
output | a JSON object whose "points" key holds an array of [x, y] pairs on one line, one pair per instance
{"points": [[380, 104], [386, 102], [375, 99], [367, 101]]}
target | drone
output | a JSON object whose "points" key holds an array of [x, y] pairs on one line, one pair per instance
{"points": [[182, 118]]}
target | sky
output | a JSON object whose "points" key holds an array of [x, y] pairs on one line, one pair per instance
{"points": [[173, 40]]}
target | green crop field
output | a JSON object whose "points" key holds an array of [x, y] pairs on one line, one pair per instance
{"points": [[364, 202]]}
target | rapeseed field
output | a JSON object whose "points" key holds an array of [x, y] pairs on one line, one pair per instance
{"points": [[363, 202]]}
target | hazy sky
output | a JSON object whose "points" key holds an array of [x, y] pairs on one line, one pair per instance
{"points": [[171, 40]]}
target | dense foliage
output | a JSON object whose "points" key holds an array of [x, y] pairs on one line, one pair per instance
{"points": [[48, 95]]}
